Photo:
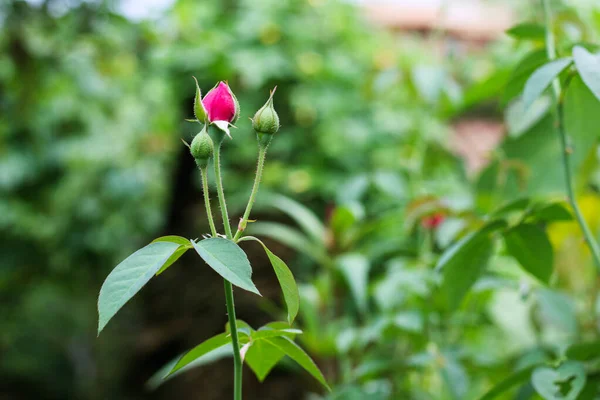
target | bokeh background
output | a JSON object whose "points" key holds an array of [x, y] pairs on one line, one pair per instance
{"points": [[390, 110]]}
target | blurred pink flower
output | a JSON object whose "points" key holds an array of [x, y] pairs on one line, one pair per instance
{"points": [[433, 221]]}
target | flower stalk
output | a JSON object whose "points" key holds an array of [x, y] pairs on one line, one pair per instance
{"points": [[558, 97], [262, 154]]}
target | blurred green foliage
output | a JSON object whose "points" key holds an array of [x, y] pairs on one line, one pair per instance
{"points": [[91, 113]]}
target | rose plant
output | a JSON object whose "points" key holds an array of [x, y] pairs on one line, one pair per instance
{"points": [[261, 349]]}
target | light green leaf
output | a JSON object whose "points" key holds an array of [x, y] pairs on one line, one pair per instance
{"points": [[174, 239], [521, 73], [588, 66], [294, 351], [303, 216], [563, 383], [509, 382], [129, 277], [184, 245], [520, 120], [462, 264], [268, 333], [541, 79], [164, 373], [286, 281], [243, 328], [202, 349], [228, 260], [355, 268], [530, 245], [527, 30], [344, 217], [261, 356], [289, 236]]}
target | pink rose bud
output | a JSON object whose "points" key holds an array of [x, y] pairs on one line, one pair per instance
{"points": [[433, 221], [220, 104]]}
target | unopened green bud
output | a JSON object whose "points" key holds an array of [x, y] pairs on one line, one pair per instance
{"points": [[202, 148], [199, 110], [266, 120]]}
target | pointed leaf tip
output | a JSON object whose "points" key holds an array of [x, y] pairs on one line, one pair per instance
{"points": [[228, 260], [129, 277]]}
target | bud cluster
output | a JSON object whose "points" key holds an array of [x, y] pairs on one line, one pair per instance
{"points": [[221, 108]]}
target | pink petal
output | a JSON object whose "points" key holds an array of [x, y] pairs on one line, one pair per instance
{"points": [[219, 104]]}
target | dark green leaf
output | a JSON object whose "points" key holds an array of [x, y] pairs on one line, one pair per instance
{"points": [[509, 382], [530, 245], [228, 260], [588, 66], [462, 264], [129, 277], [527, 30], [514, 205], [552, 212], [286, 281], [584, 351], [293, 351], [541, 79], [202, 349], [563, 383], [523, 70], [184, 245], [582, 118]]}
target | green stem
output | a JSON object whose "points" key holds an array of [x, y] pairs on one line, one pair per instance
{"points": [[220, 192], [262, 153], [211, 221], [562, 134], [237, 358]]}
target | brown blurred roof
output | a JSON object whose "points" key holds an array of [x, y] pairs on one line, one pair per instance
{"points": [[468, 19]]}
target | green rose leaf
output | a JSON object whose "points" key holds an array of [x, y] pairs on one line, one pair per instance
{"points": [[292, 350], [542, 78], [584, 351], [509, 382], [530, 245], [563, 383], [527, 30], [129, 277], [588, 66], [552, 212], [462, 264], [261, 356], [228, 260], [355, 269], [286, 281], [184, 245], [215, 342]]}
